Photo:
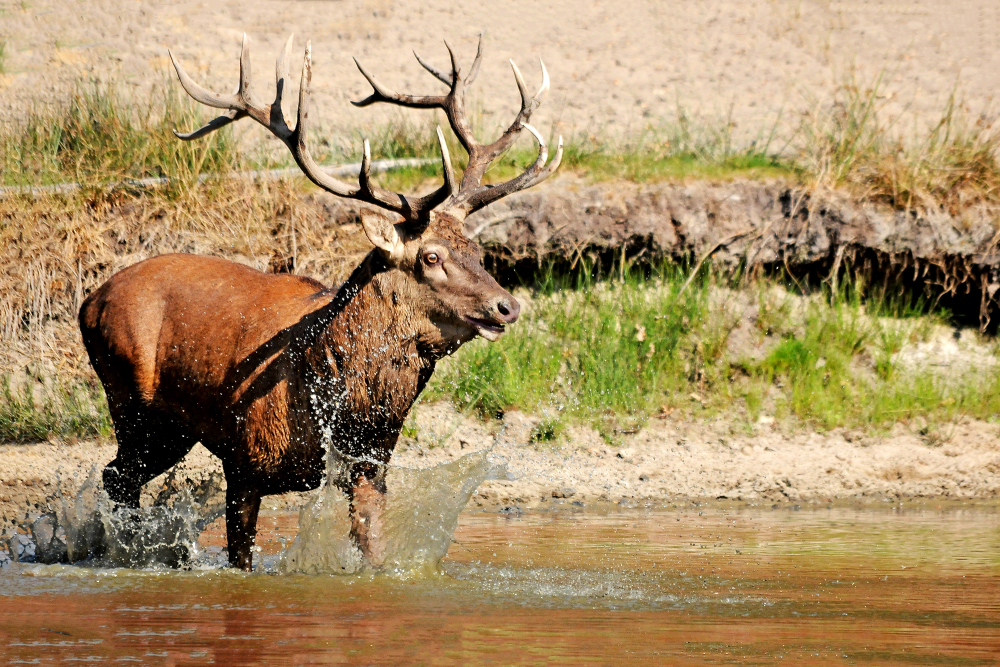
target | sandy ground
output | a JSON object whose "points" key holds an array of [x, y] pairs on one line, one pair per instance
{"points": [[615, 66], [669, 461]]}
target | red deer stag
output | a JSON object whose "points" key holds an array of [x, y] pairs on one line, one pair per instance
{"points": [[269, 371]]}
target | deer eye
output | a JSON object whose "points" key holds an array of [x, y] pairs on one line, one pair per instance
{"points": [[432, 258]]}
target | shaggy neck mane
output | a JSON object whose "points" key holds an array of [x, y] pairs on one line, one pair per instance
{"points": [[366, 361]]}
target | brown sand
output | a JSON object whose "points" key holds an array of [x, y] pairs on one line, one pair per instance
{"points": [[669, 461], [615, 66]]}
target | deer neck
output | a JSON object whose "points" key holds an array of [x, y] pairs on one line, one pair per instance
{"points": [[372, 351]]}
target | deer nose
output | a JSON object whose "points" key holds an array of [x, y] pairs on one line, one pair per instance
{"points": [[508, 309]]}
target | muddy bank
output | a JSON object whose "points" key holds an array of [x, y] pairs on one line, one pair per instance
{"points": [[668, 461], [954, 259], [55, 257], [681, 461]]}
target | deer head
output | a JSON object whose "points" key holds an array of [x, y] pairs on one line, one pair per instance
{"points": [[421, 241]]}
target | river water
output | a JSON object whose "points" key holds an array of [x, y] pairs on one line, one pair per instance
{"points": [[688, 585]]}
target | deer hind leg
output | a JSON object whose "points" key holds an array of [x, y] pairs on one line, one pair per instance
{"points": [[242, 508], [367, 494], [148, 444]]}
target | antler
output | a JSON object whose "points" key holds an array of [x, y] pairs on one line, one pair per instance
{"points": [[242, 103], [472, 195], [458, 199]]}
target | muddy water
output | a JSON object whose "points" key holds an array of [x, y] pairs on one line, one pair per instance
{"points": [[565, 587]]}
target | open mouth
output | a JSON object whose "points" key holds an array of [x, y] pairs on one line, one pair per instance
{"points": [[487, 329]]}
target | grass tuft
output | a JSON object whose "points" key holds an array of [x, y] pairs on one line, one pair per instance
{"points": [[34, 414], [951, 164], [103, 137]]}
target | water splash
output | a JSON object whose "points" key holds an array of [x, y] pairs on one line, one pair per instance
{"points": [[87, 526], [421, 514]]}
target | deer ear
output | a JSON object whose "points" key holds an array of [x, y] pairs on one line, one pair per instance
{"points": [[381, 231]]}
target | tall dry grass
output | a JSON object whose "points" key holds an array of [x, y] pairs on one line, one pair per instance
{"points": [[103, 136], [949, 164]]}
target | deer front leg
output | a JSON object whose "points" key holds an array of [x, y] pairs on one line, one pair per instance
{"points": [[367, 530], [242, 507]]}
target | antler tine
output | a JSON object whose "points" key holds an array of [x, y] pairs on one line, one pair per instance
{"points": [[281, 69], [281, 65], [211, 126], [244, 89], [522, 87], [544, 88], [438, 74], [382, 94], [474, 70], [280, 83], [203, 95], [456, 70], [541, 175], [449, 171], [536, 173]]}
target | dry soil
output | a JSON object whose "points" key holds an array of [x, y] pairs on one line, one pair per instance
{"points": [[615, 66], [668, 461]]}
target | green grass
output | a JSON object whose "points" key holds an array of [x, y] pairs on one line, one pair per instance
{"points": [[103, 137], [613, 353], [64, 411]]}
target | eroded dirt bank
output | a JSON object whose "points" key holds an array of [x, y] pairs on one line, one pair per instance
{"points": [[952, 258], [668, 461], [54, 258]]}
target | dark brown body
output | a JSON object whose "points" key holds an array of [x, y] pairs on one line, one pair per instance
{"points": [[272, 372], [264, 370]]}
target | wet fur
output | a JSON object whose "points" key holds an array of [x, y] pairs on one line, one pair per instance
{"points": [[264, 369]]}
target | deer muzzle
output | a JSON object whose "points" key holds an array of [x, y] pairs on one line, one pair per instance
{"points": [[498, 314]]}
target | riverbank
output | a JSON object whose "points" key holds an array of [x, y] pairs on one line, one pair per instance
{"points": [[668, 461]]}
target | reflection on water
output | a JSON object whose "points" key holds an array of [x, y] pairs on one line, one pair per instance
{"points": [[638, 587]]}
